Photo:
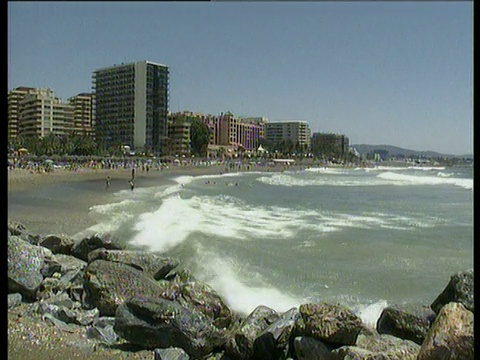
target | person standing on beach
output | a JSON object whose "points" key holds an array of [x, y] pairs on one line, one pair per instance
{"points": [[108, 181]]}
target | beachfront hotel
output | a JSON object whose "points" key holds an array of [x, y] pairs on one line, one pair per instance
{"points": [[83, 113], [14, 109], [42, 113], [131, 105], [330, 144], [35, 112], [297, 131]]}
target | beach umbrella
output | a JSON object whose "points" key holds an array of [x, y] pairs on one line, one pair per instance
{"points": [[49, 161], [22, 150]]}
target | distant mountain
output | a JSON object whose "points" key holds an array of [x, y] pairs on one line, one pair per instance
{"points": [[398, 151]]}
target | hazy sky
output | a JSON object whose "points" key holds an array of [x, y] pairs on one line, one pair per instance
{"points": [[379, 72]]}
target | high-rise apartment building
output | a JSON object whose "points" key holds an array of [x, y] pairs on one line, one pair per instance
{"points": [[329, 144], [36, 112], [42, 113], [14, 98], [297, 131], [131, 105], [83, 113]]}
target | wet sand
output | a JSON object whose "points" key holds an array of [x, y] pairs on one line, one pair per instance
{"points": [[59, 202]]}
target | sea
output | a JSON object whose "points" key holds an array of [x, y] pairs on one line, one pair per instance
{"points": [[365, 238]]}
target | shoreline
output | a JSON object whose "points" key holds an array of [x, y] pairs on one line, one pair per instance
{"points": [[59, 201]]}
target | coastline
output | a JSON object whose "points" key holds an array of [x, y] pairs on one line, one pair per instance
{"points": [[29, 333], [58, 202]]}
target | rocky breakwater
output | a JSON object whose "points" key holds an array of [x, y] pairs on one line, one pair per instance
{"points": [[150, 301]]}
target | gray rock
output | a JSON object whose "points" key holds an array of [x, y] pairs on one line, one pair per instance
{"points": [[102, 330], [307, 348], [153, 264], [201, 297], [17, 229], [58, 244], [83, 247], [354, 353], [459, 289], [14, 299], [388, 346], [25, 265], [451, 335], [170, 354], [64, 309], [107, 284], [69, 263], [406, 322], [330, 323], [58, 323], [159, 323], [240, 344], [272, 343]]}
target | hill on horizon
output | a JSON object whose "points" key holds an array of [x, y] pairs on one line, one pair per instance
{"points": [[398, 151]]}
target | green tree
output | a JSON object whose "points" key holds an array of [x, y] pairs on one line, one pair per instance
{"points": [[199, 137]]}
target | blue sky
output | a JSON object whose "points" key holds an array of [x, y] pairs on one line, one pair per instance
{"points": [[396, 73]]}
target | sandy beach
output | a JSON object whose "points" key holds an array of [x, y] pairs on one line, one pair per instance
{"points": [[43, 203]]}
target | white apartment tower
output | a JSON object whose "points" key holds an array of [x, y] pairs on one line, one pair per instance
{"points": [[296, 131]]}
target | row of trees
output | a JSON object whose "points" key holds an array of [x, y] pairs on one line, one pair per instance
{"points": [[81, 145]]}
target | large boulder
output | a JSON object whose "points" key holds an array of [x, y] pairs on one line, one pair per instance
{"points": [[307, 348], [156, 265], [107, 284], [18, 229], [331, 323], [26, 264], [451, 335], [240, 344], [58, 244], [201, 297], [381, 347], [83, 247], [387, 346], [459, 289], [275, 342], [158, 323], [406, 322]]}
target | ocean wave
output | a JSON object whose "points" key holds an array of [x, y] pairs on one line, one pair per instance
{"points": [[225, 216], [326, 170], [112, 207], [404, 179], [242, 291], [348, 180]]}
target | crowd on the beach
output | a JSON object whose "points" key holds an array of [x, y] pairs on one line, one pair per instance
{"points": [[44, 164]]}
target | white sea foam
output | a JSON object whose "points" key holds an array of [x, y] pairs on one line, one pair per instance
{"points": [[187, 179], [427, 168], [348, 180], [109, 208], [442, 174], [326, 170], [371, 313], [224, 275], [226, 216], [404, 179]]}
